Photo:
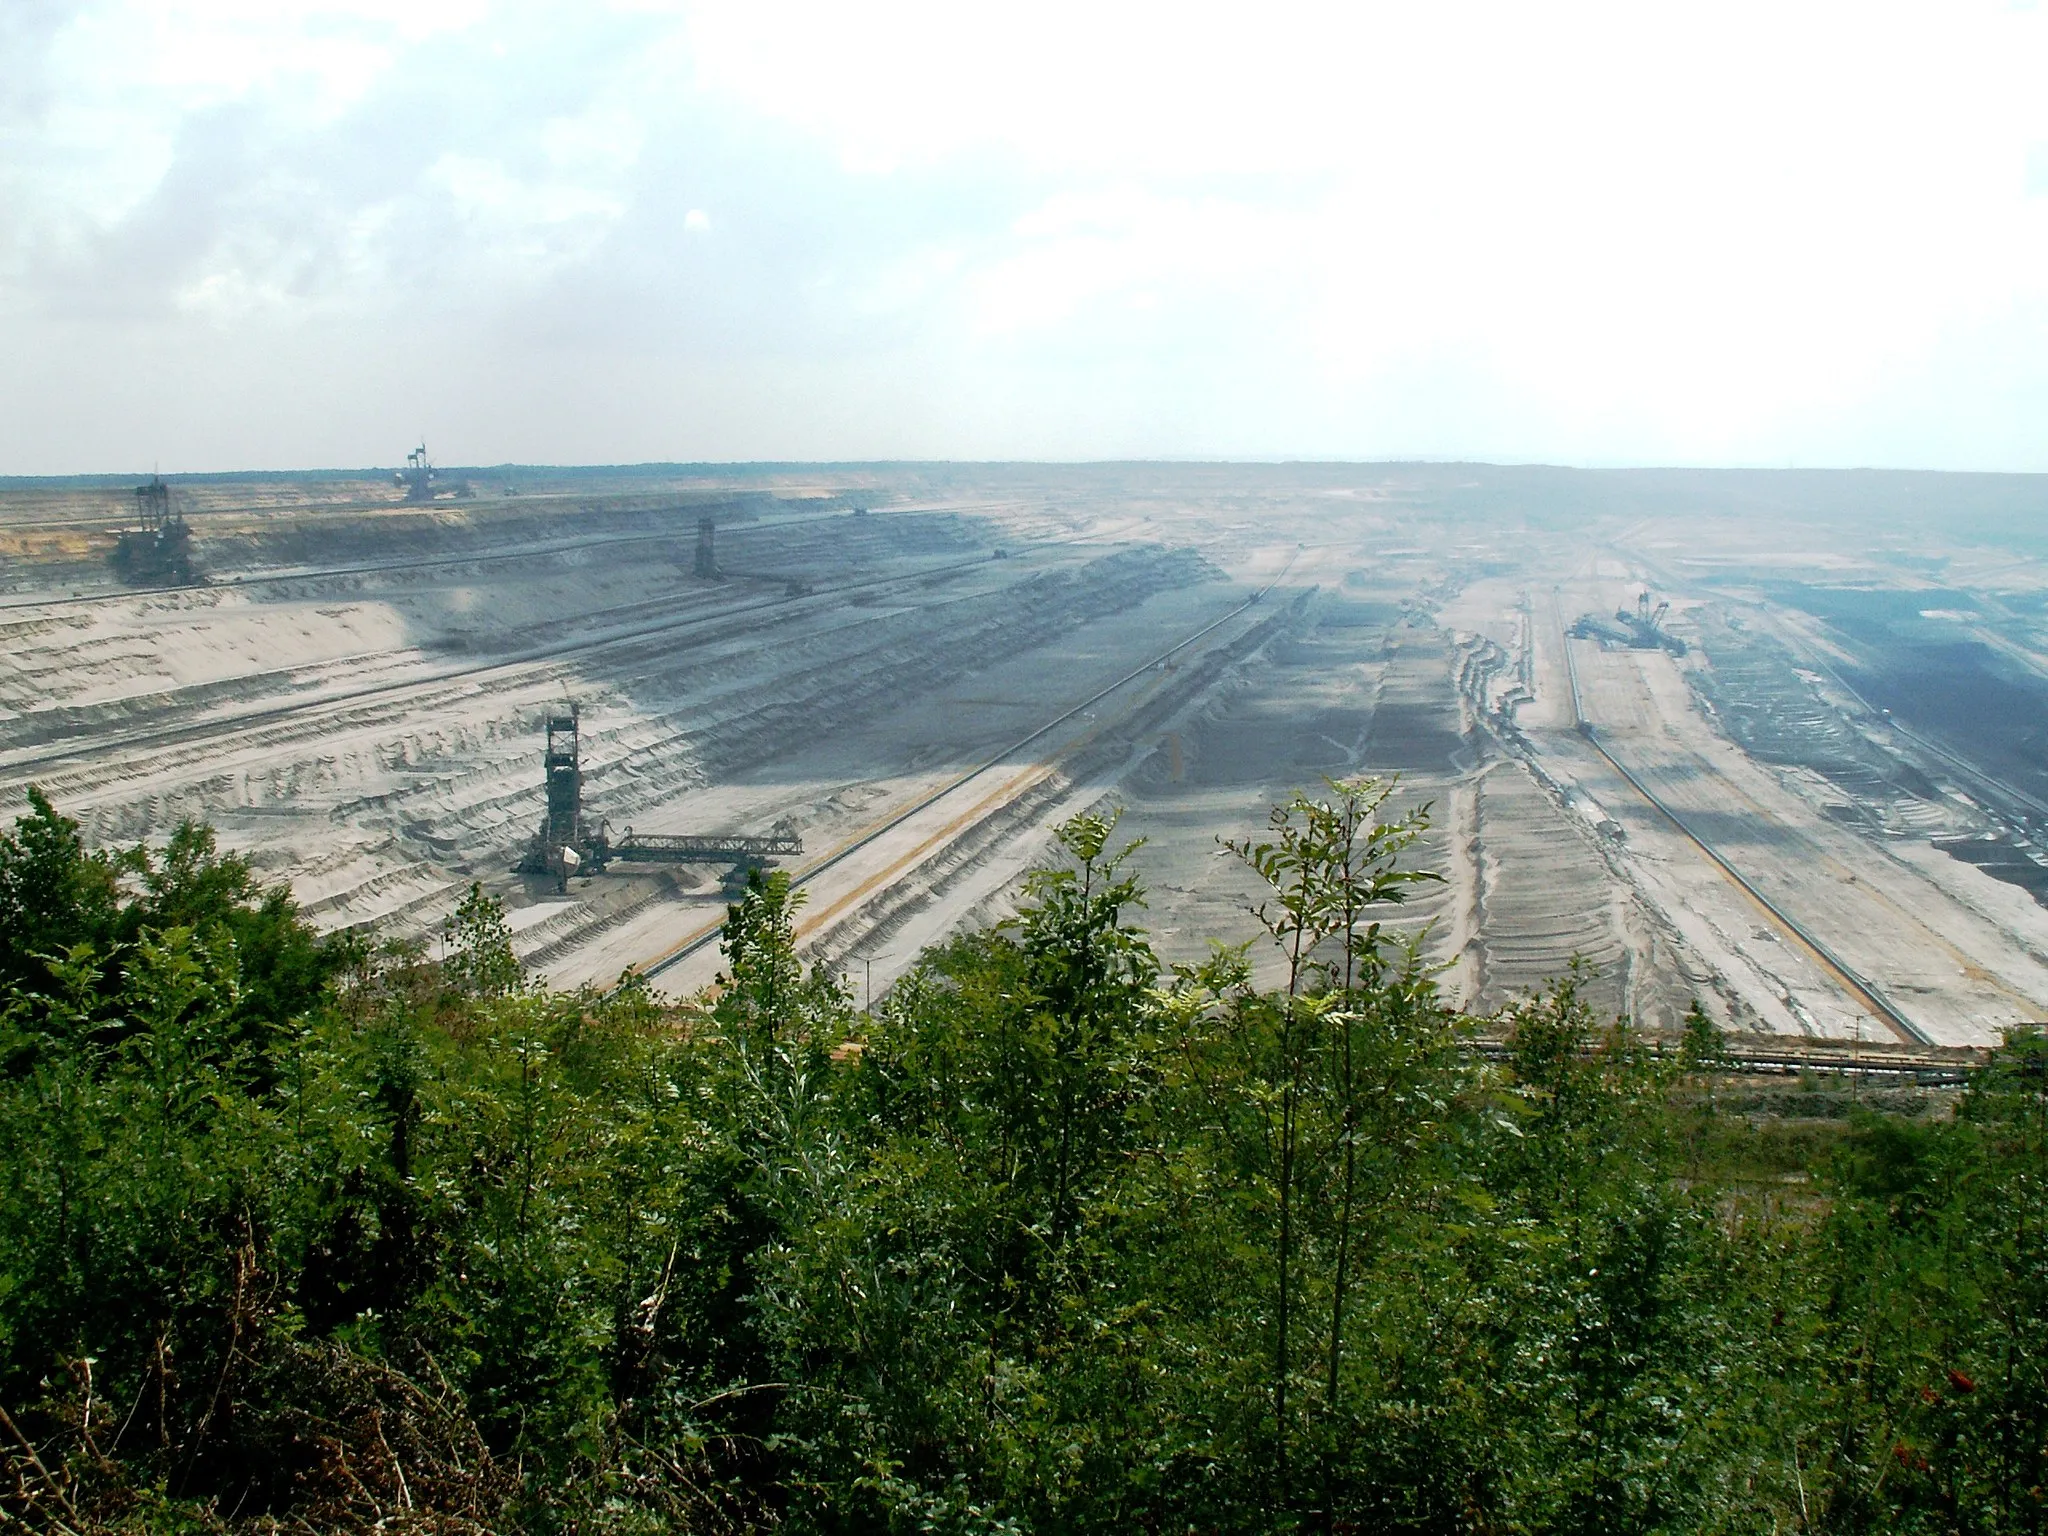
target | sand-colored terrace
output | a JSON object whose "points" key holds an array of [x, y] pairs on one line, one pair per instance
{"points": [[354, 695]]}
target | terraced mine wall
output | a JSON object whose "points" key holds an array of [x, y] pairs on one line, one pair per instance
{"points": [[355, 695]]}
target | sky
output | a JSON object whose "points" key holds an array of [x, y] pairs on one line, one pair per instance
{"points": [[261, 234]]}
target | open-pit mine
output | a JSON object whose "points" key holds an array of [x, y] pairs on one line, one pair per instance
{"points": [[1772, 743]]}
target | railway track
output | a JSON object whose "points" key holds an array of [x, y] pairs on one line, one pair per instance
{"points": [[241, 582], [1983, 783], [150, 753], [829, 659], [718, 626], [1938, 1067], [988, 806], [1851, 981], [1858, 985]]}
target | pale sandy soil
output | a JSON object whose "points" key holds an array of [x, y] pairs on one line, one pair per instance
{"points": [[355, 701]]}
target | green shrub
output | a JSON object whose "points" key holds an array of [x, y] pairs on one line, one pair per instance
{"points": [[328, 1233]]}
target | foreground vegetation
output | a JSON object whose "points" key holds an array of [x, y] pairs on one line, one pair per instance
{"points": [[309, 1233]]}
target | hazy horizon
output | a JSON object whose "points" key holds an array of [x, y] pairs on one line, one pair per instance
{"points": [[716, 468], [1809, 236]]}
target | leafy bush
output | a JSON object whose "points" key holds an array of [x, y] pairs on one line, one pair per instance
{"points": [[330, 1234]]}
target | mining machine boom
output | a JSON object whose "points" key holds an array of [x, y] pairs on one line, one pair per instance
{"points": [[418, 476], [1640, 628], [570, 843], [156, 552], [1645, 626]]}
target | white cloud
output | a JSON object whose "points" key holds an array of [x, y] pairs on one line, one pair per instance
{"points": [[1727, 231]]}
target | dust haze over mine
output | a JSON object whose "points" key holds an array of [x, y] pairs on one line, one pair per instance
{"points": [[1768, 739]]}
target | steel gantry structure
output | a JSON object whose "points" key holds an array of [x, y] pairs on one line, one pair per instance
{"points": [[568, 842]]}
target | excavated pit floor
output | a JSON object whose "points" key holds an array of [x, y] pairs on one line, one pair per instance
{"points": [[355, 699]]}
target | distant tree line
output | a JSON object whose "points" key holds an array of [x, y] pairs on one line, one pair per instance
{"points": [[328, 1234]]}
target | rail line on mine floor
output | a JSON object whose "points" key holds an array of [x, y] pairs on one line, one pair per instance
{"points": [[1858, 987], [705, 935], [73, 752], [1942, 1066], [1989, 785], [438, 562], [235, 583]]}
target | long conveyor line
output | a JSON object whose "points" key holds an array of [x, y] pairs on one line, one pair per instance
{"points": [[240, 582], [708, 934], [1942, 1066], [1857, 985], [21, 767]]}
